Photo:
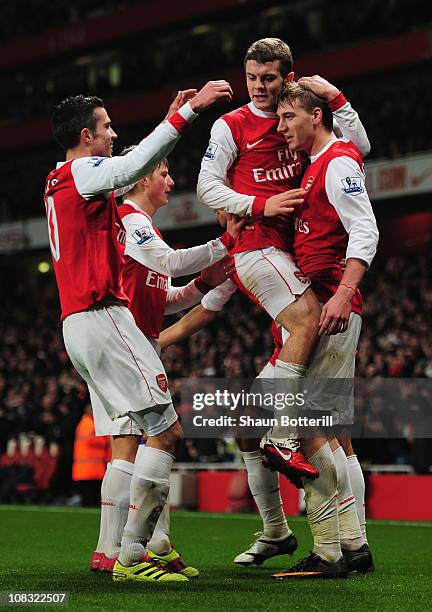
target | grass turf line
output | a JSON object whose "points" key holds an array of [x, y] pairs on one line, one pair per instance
{"points": [[45, 550]]}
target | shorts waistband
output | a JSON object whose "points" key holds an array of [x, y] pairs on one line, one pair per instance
{"points": [[106, 304]]}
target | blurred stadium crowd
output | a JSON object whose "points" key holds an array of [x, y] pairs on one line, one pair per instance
{"points": [[41, 394], [349, 24], [179, 57]]}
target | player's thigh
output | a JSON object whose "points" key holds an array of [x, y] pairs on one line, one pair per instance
{"points": [[105, 426], [335, 355], [116, 360], [303, 314], [272, 277], [334, 364], [155, 421]]}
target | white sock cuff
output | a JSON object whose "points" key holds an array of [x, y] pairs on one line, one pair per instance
{"points": [[154, 464], [290, 369], [123, 466], [338, 450], [352, 458], [251, 455]]}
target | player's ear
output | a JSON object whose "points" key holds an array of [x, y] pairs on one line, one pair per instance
{"points": [[317, 116], [86, 136], [289, 77]]}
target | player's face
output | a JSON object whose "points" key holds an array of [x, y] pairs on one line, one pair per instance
{"points": [[159, 186], [297, 125], [264, 82], [103, 135]]}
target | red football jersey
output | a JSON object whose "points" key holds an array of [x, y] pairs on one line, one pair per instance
{"points": [[336, 211], [83, 238], [144, 287], [264, 167]]}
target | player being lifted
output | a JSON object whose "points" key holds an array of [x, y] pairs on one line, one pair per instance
{"points": [[246, 170], [101, 337], [149, 265]]}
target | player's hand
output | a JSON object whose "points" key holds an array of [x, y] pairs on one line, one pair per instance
{"points": [[218, 273], [336, 313], [234, 225], [285, 202], [181, 98], [320, 86], [212, 92]]}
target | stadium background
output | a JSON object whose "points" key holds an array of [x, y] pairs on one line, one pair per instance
{"points": [[136, 55]]}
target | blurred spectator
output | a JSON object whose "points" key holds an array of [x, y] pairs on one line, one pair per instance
{"points": [[90, 457]]}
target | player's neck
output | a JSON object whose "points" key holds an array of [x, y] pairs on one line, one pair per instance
{"points": [[77, 152], [322, 138], [145, 204]]}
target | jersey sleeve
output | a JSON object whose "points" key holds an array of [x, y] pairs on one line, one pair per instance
{"points": [[216, 299], [145, 246], [180, 298], [346, 123], [213, 188], [346, 191], [95, 175]]}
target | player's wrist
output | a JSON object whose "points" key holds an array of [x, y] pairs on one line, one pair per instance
{"points": [[347, 291], [258, 206], [182, 118], [227, 240], [336, 102], [202, 286]]}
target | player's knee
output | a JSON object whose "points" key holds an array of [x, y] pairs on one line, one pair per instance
{"points": [[302, 317], [124, 447], [167, 440], [311, 308]]}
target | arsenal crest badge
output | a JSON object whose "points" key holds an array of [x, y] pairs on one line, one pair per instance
{"points": [[161, 380]]}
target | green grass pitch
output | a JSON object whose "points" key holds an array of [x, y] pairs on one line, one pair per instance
{"points": [[48, 549]]}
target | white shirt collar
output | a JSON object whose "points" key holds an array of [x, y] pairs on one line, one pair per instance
{"points": [[137, 208], [324, 149], [260, 113]]}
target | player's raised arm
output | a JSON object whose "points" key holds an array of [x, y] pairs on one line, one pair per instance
{"points": [[346, 120], [100, 174]]}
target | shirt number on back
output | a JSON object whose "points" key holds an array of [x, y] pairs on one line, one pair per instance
{"points": [[53, 232]]}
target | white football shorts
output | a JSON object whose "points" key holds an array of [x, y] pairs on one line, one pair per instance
{"points": [[272, 277], [125, 376], [335, 357]]}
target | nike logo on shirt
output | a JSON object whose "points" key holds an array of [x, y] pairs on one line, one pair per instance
{"points": [[250, 145]]}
